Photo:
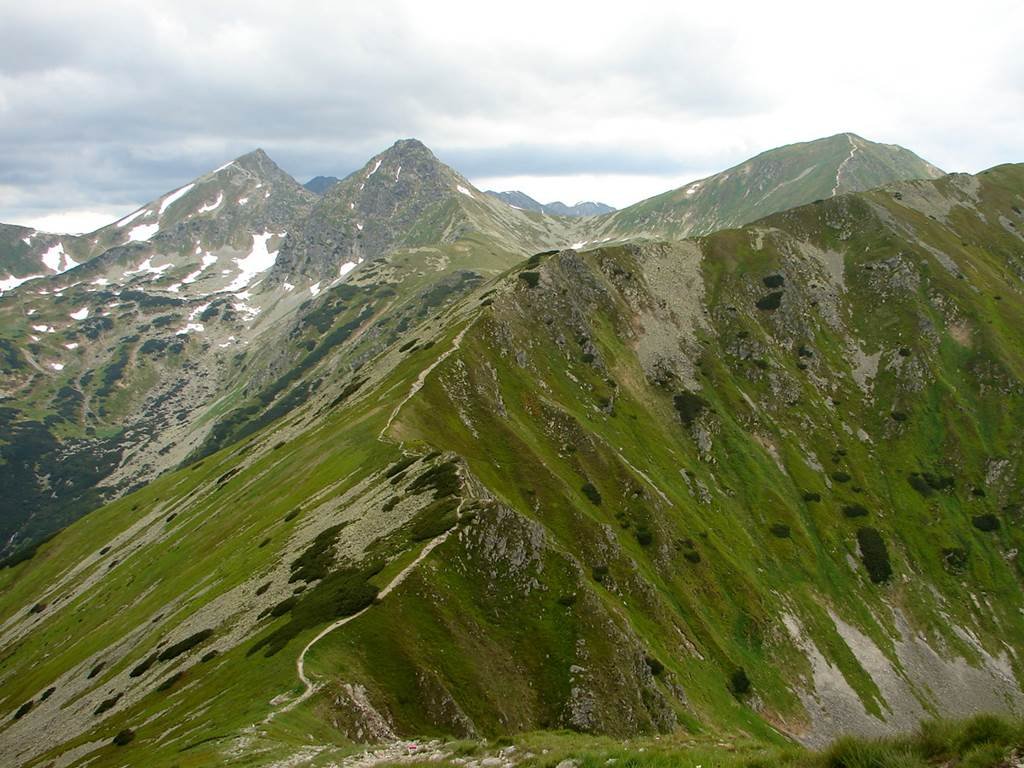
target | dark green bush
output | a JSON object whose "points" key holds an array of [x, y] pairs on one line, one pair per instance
{"points": [[24, 709], [402, 464], [264, 543], [442, 478], [262, 588], [390, 504], [644, 537], [591, 492], [773, 281], [987, 522], [208, 656], [874, 554], [170, 681], [143, 666], [855, 510], [530, 278], [47, 693], [655, 666], [187, 644], [841, 477], [689, 405], [692, 556], [898, 416], [599, 572], [107, 704], [770, 302], [810, 496], [954, 559], [124, 737], [780, 530], [567, 601], [436, 518], [739, 683], [318, 557]]}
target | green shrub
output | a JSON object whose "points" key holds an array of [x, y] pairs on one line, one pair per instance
{"points": [[591, 492], [987, 522], [692, 556], [170, 681], [770, 302], [23, 710], [780, 530], [773, 281], [689, 405], [143, 666], [850, 752], [954, 559], [599, 572], [874, 554], [318, 557], [107, 704], [292, 515], [390, 504], [400, 465], [739, 683], [898, 416], [567, 601], [854, 510], [48, 693], [530, 278], [208, 656], [644, 537], [123, 737], [187, 644], [655, 666], [442, 478], [262, 588], [841, 477], [811, 496], [436, 518], [264, 543]]}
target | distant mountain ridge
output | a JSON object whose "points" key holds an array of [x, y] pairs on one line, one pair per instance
{"points": [[524, 202], [229, 275]]}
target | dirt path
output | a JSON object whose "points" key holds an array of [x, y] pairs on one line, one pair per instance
{"points": [[839, 170], [420, 381]]}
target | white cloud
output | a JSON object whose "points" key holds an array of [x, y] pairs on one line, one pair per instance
{"points": [[113, 104]]}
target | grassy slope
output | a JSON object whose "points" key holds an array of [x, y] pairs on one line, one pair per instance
{"points": [[554, 580]]}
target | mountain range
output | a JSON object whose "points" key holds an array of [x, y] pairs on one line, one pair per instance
{"points": [[401, 457]]}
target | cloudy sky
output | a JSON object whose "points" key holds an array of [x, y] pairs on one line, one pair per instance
{"points": [[106, 105]]}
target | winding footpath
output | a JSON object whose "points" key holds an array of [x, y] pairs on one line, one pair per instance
{"points": [[839, 170], [312, 687]]}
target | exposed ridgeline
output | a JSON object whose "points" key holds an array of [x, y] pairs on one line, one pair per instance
{"points": [[526, 203], [192, 321], [763, 481], [773, 181]]}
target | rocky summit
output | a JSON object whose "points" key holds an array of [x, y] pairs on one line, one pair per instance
{"points": [[289, 470]]}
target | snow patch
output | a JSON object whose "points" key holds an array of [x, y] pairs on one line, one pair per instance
{"points": [[30, 312], [101, 281], [57, 366], [143, 232], [693, 188], [288, 287], [347, 267], [259, 260], [173, 197], [314, 288], [43, 328], [147, 266], [218, 170], [80, 314], [72, 345], [131, 217], [351, 206], [189, 328], [243, 200], [208, 260], [13, 282], [53, 257], [374, 169], [359, 227], [398, 173], [463, 190], [578, 245], [214, 205]]}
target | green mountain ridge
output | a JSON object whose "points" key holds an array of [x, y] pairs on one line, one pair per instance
{"points": [[764, 482]]}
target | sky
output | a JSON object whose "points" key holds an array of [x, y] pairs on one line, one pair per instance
{"points": [[106, 105]]}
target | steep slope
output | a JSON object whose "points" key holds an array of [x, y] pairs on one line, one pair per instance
{"points": [[766, 481], [405, 199], [770, 182], [524, 202]]}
